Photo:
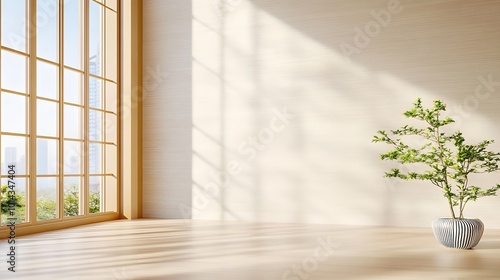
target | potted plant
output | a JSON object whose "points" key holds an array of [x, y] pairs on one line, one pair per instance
{"points": [[447, 161]]}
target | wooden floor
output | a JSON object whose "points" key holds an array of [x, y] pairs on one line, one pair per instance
{"points": [[182, 250]]}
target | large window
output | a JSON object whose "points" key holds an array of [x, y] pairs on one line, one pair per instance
{"points": [[59, 104]]}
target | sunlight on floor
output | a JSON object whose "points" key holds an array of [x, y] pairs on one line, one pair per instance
{"points": [[182, 249]]}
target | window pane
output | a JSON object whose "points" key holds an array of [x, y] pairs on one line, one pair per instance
{"points": [[13, 71], [46, 81], [73, 91], [13, 24], [95, 192], [19, 209], [111, 45], [47, 29], [113, 4], [96, 121], [13, 113], [111, 97], [95, 93], [73, 33], [46, 122], [73, 122], [111, 159], [14, 153], [111, 194], [95, 125], [96, 39], [72, 191], [73, 157], [46, 157], [111, 128], [95, 158], [46, 195]]}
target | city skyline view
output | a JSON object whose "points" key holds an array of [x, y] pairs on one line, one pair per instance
{"points": [[13, 111], [60, 105]]}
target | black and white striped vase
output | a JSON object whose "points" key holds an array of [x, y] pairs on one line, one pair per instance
{"points": [[458, 233]]}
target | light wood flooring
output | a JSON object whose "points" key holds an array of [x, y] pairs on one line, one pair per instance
{"points": [[193, 250]]}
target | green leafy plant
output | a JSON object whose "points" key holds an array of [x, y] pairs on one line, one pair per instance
{"points": [[17, 201], [46, 207], [448, 160], [94, 202], [71, 198]]}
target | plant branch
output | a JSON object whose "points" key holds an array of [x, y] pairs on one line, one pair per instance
{"points": [[449, 167]]}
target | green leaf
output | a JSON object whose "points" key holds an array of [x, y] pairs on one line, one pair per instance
{"points": [[448, 157]]}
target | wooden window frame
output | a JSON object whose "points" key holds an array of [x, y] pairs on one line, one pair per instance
{"points": [[34, 226]]}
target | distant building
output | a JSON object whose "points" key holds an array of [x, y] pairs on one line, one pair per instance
{"points": [[10, 158], [21, 168], [95, 124], [94, 116]]}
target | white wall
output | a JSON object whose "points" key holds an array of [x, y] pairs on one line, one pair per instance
{"points": [[251, 59], [167, 114]]}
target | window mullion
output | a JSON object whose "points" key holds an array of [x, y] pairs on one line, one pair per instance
{"points": [[31, 207], [37, 101], [60, 189], [86, 69], [0, 99], [103, 100]]}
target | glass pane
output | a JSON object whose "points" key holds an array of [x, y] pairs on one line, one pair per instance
{"points": [[111, 159], [95, 93], [72, 191], [17, 211], [14, 24], [73, 33], [113, 4], [95, 192], [47, 113], [46, 81], [46, 195], [111, 194], [73, 122], [95, 158], [96, 39], [111, 45], [47, 29], [73, 91], [13, 113], [111, 97], [73, 157], [95, 125], [111, 128], [14, 153], [46, 157], [13, 71]]}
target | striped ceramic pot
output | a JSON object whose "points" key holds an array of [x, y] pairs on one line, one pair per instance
{"points": [[458, 233]]}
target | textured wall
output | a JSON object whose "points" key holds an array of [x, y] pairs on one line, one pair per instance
{"points": [[167, 112], [286, 96]]}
